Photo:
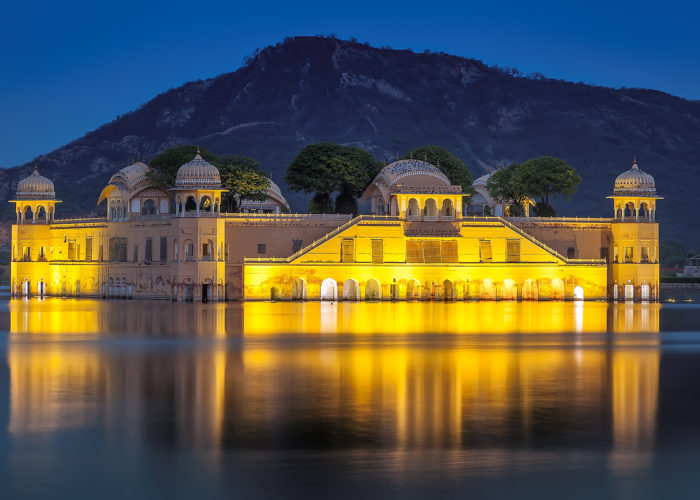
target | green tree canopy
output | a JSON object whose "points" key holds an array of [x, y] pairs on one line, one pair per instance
{"points": [[537, 179], [547, 176], [504, 188], [454, 168], [240, 175], [326, 168]]}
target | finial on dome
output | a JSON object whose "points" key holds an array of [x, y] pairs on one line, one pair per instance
{"points": [[397, 156], [425, 157], [36, 167], [634, 165], [410, 155], [198, 150]]}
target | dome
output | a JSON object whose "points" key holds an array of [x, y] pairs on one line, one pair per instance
{"points": [[198, 173], [635, 182], [35, 187], [273, 191], [400, 170]]}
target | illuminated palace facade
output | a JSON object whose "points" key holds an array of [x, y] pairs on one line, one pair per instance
{"points": [[416, 244]]}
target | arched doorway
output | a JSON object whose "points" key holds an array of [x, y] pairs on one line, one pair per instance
{"points": [[448, 290], [530, 291], [557, 292], [329, 289], [275, 293], [578, 293], [646, 291], [299, 291], [372, 290], [351, 290], [413, 290], [487, 290], [509, 290]]}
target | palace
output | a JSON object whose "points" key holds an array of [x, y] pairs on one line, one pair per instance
{"points": [[417, 243]]}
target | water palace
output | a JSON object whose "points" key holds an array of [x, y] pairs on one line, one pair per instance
{"points": [[417, 244]]}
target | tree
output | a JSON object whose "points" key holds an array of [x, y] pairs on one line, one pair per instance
{"points": [[242, 177], [454, 168], [326, 168], [504, 187], [545, 177]]}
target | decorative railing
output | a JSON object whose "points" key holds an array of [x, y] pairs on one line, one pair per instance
{"points": [[83, 220], [562, 219]]}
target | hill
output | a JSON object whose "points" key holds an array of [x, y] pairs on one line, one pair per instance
{"points": [[311, 89]]}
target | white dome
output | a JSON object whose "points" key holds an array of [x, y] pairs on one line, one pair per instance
{"points": [[635, 182], [400, 170], [198, 173], [35, 187]]}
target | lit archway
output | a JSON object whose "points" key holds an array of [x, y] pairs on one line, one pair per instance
{"points": [[530, 291], [413, 289], [299, 290], [275, 293], [557, 292], [487, 290], [329, 289], [578, 293], [351, 290], [448, 290], [509, 290], [372, 290]]}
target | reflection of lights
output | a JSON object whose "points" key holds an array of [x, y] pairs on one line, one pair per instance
{"points": [[578, 316], [429, 392]]}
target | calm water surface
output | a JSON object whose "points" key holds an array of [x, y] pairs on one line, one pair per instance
{"points": [[159, 400]]}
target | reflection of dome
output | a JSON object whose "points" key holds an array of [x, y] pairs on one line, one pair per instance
{"points": [[400, 172], [35, 187], [198, 173], [635, 182]]}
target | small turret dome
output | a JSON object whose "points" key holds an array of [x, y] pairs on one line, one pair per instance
{"points": [[635, 182], [35, 187], [198, 173]]}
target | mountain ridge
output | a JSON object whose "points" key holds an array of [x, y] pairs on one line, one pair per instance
{"points": [[313, 89]]}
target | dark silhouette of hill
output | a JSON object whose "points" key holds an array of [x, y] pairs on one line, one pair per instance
{"points": [[311, 89]]}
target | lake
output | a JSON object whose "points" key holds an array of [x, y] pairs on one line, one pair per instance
{"points": [[138, 399]]}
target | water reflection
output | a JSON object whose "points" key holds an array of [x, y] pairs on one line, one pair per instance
{"points": [[97, 319], [438, 384]]}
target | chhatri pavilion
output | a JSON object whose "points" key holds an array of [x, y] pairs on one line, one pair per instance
{"points": [[419, 242]]}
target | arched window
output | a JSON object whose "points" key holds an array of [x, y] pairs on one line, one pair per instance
{"points": [[373, 291], [28, 214], [629, 210], [413, 212], [431, 209], [448, 208], [190, 204], [205, 204], [41, 213], [149, 208]]}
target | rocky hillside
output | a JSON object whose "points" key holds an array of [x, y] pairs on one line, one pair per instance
{"points": [[311, 89]]}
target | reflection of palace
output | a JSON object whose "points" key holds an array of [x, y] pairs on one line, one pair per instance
{"points": [[452, 393], [416, 244]]}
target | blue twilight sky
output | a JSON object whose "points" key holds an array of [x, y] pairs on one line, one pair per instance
{"points": [[68, 67]]}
